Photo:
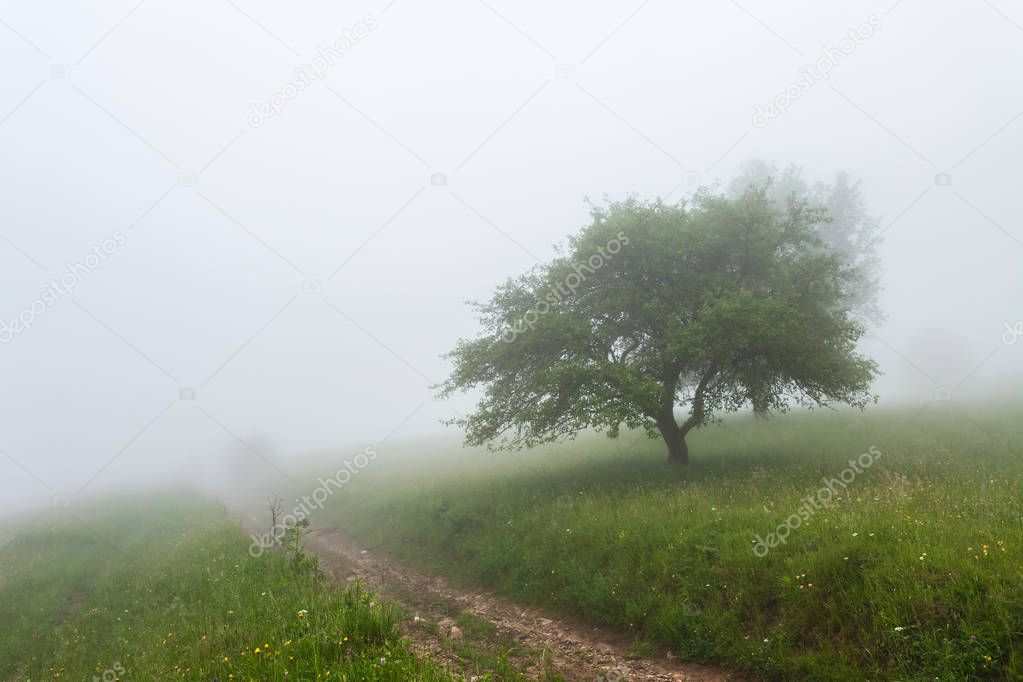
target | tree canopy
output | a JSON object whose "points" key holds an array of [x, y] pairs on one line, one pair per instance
{"points": [[704, 306], [850, 231]]}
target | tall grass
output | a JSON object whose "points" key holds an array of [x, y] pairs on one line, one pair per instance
{"points": [[913, 572], [164, 589]]}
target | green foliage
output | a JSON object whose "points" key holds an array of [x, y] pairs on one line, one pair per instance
{"points": [[850, 231], [288, 537], [301, 561], [915, 574], [712, 305], [182, 599]]}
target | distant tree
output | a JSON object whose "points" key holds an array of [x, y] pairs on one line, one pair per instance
{"points": [[849, 230], [707, 305]]}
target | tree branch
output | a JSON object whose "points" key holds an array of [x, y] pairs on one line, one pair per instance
{"points": [[696, 415]]}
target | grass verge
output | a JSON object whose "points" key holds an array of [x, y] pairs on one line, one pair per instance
{"points": [[165, 588], [911, 571]]}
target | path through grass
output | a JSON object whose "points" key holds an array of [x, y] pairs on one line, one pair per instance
{"points": [[913, 571]]}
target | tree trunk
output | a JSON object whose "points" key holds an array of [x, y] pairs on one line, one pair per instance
{"points": [[675, 439], [678, 451]]}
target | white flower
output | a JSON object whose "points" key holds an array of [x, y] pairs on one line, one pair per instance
{"points": [[899, 628]]}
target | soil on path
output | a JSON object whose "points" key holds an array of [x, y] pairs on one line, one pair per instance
{"points": [[569, 650]]}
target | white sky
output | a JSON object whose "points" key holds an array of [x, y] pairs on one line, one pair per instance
{"points": [[207, 292]]}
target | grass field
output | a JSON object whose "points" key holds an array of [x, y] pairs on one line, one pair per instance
{"points": [[912, 571], [164, 588]]}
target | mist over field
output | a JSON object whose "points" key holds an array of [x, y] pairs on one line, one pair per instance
{"points": [[240, 234], [106, 123]]}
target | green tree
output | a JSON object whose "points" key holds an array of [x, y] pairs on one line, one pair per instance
{"points": [[706, 306], [850, 230]]}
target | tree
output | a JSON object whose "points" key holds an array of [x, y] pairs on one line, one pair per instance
{"points": [[709, 305], [850, 230]]}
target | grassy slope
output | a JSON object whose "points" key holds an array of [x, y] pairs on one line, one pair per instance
{"points": [[180, 597], [915, 573]]}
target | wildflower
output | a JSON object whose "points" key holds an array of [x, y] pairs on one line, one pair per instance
{"points": [[899, 628]]}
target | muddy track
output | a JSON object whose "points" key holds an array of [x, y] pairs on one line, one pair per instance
{"points": [[574, 651]]}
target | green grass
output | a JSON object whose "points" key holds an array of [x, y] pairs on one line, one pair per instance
{"points": [[164, 588], [914, 573]]}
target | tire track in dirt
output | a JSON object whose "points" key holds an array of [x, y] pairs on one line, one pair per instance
{"points": [[577, 652]]}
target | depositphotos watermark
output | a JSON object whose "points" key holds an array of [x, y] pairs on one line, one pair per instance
{"points": [[315, 70], [271, 538], [110, 674], [814, 503], [1013, 332], [572, 281], [65, 285], [813, 73]]}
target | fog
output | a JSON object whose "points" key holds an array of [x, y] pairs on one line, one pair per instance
{"points": [[271, 282]]}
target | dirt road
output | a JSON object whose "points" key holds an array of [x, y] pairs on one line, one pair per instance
{"points": [[545, 648]]}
